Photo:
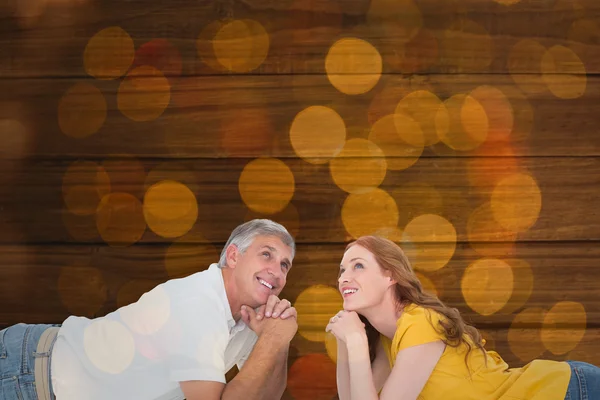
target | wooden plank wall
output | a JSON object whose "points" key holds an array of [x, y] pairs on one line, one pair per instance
{"points": [[136, 135]]}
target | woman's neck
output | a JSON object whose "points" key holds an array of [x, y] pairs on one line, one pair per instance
{"points": [[384, 317]]}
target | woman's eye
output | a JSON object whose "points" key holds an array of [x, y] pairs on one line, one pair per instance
{"points": [[358, 265]]}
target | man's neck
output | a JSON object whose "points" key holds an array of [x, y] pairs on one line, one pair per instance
{"points": [[232, 294]]}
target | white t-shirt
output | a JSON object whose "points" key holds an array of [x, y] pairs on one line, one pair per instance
{"points": [[181, 330]]}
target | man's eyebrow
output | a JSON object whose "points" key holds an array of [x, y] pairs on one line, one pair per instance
{"points": [[354, 259]]}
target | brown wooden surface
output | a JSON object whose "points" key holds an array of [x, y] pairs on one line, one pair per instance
{"points": [[205, 113], [35, 211], [54, 263], [302, 31]]}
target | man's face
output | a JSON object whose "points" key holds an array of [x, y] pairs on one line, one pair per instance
{"points": [[262, 269]]}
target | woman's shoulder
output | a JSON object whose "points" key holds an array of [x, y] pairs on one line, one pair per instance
{"points": [[418, 318]]}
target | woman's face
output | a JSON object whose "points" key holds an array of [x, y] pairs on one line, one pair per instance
{"points": [[362, 281]]}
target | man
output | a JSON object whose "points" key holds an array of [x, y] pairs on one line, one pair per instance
{"points": [[177, 341]]}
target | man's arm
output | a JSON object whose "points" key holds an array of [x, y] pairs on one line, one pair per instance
{"points": [[278, 381], [255, 380]]}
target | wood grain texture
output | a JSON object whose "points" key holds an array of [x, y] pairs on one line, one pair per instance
{"points": [[31, 291], [34, 208], [251, 116], [50, 41]]}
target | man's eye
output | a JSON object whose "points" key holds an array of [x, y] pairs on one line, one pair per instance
{"points": [[266, 254]]}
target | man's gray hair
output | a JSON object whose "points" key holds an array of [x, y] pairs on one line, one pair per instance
{"points": [[243, 235]]}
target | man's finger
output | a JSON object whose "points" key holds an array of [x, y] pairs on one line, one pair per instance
{"points": [[270, 306], [289, 312], [281, 307], [245, 316], [260, 311]]}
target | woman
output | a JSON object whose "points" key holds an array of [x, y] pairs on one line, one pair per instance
{"points": [[397, 342]]}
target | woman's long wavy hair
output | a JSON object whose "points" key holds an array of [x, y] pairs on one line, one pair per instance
{"points": [[408, 289]]}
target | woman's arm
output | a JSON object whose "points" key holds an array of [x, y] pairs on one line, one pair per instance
{"points": [[342, 371], [380, 367], [411, 371]]}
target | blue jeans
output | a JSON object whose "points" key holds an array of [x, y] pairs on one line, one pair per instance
{"points": [[18, 345], [584, 383]]}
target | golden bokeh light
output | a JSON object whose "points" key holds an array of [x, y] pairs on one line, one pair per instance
{"points": [[400, 138], [266, 185], [401, 18], [417, 198], [315, 306], [144, 94], [287, 217], [486, 235], [81, 110], [120, 219], [523, 285], [118, 346], [109, 53], [492, 162], [516, 202], [430, 241], [353, 66], [367, 213], [183, 257], [170, 208], [524, 335], [82, 290], [386, 98], [360, 167], [523, 115], [429, 111], [249, 134], [312, 377], [487, 285], [468, 123], [204, 45], [467, 46], [564, 327], [241, 45], [498, 110], [524, 65], [564, 72], [317, 134], [427, 284], [151, 312], [84, 184]]}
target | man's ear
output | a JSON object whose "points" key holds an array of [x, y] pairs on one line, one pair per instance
{"points": [[231, 255]]}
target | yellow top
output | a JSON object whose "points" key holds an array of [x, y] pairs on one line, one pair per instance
{"points": [[450, 380]]}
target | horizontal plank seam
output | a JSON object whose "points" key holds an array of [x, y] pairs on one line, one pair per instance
{"points": [[303, 243], [226, 75]]}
